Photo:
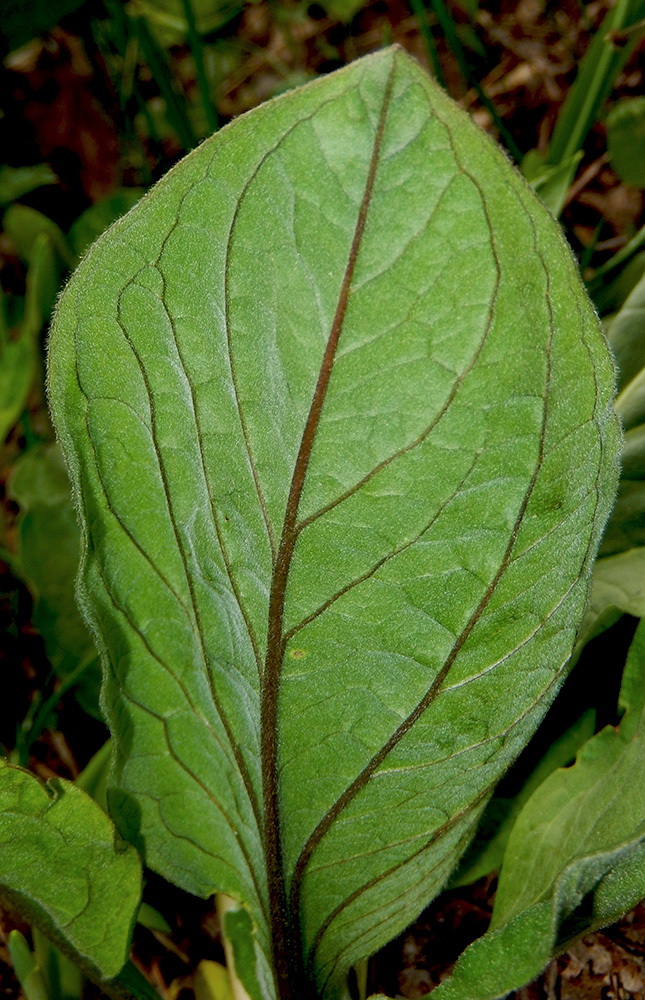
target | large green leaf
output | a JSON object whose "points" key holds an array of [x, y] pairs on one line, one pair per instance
{"points": [[63, 865], [338, 417], [580, 839]]}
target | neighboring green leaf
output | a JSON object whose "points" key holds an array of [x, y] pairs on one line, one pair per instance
{"points": [[619, 576], [89, 226], [611, 293], [618, 587], [22, 21], [152, 919], [19, 351], [167, 19], [212, 982], [550, 182], [42, 286], [579, 840], [241, 952], [630, 259], [338, 417], [342, 10], [25, 226], [634, 453], [63, 866], [17, 371], [626, 140], [47, 557], [486, 853], [93, 779], [626, 335], [626, 528], [28, 972], [16, 181], [63, 980], [598, 69]]}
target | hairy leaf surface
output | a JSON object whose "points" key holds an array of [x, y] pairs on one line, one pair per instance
{"points": [[63, 865], [580, 836], [338, 417]]}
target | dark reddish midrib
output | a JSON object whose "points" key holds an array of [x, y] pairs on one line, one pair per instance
{"points": [[287, 957]]}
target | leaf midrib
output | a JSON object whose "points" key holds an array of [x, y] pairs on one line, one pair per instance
{"points": [[361, 780], [287, 954]]}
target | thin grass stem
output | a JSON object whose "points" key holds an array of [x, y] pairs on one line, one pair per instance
{"points": [[448, 26], [598, 69], [158, 63], [617, 260], [197, 52], [421, 13]]}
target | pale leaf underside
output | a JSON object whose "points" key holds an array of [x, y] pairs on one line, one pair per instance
{"points": [[338, 417]]}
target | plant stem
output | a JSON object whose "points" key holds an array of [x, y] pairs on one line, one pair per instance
{"points": [[448, 26], [158, 63], [37, 720], [197, 51], [421, 14], [619, 258]]}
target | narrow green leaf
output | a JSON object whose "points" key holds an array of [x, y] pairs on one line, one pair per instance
{"points": [[598, 69], [93, 779], [626, 140], [16, 181], [20, 350], [626, 528], [149, 917], [63, 980], [486, 853], [21, 21], [17, 372], [212, 982], [63, 866], [25, 225], [634, 453], [619, 576], [580, 838], [618, 588], [610, 293], [167, 18], [629, 259], [42, 286], [338, 418], [626, 335], [242, 956], [26, 968], [550, 182], [47, 558]]}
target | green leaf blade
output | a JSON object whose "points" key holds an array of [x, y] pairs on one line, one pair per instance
{"points": [[342, 482], [580, 834], [64, 867]]}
